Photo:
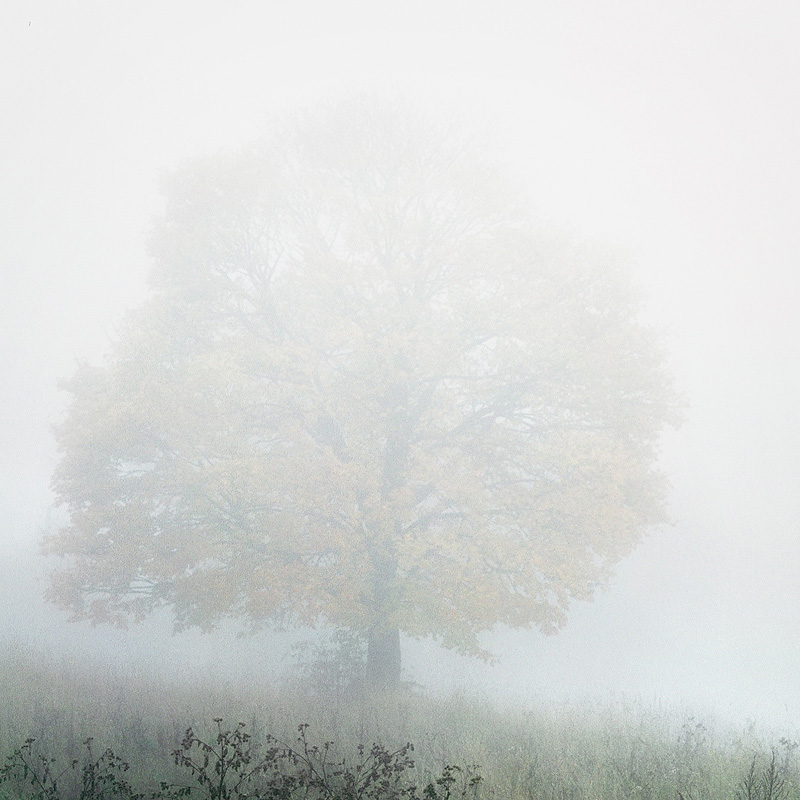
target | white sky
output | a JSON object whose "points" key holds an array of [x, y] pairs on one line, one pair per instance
{"points": [[669, 129]]}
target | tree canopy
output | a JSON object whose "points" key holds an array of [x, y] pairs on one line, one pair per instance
{"points": [[366, 391]]}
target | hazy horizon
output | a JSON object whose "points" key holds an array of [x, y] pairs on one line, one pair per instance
{"points": [[669, 133]]}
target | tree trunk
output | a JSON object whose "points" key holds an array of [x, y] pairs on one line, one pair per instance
{"points": [[383, 659]]}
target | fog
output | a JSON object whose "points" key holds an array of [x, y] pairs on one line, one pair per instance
{"points": [[669, 132]]}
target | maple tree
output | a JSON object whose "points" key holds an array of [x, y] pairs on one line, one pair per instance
{"points": [[367, 392]]}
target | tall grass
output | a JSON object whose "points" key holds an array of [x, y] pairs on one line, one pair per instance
{"points": [[568, 752]]}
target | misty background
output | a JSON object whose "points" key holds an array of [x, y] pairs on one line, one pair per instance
{"points": [[669, 131]]}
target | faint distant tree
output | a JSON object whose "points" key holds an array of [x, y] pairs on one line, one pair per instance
{"points": [[366, 392]]}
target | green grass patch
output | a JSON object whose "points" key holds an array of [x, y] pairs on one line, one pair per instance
{"points": [[94, 733]]}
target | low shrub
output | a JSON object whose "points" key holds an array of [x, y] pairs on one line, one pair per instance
{"points": [[231, 767]]}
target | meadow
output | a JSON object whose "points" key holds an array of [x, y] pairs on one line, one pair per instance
{"points": [[136, 726]]}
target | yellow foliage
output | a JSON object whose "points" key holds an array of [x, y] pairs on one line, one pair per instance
{"points": [[363, 389]]}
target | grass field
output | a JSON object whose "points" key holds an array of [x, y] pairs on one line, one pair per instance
{"points": [[567, 752]]}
